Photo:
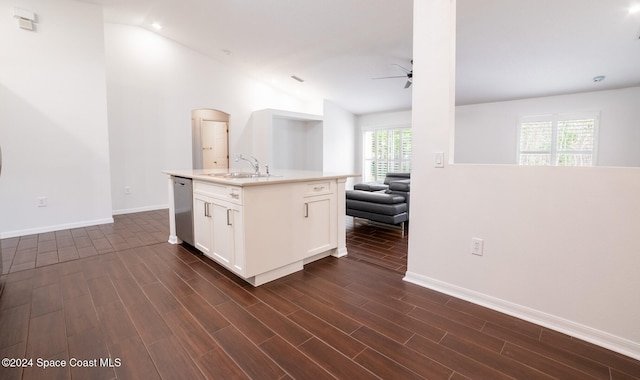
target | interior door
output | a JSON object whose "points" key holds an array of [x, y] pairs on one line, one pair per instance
{"points": [[215, 150], [210, 139]]}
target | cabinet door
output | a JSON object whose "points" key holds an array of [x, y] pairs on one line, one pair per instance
{"points": [[218, 231], [222, 227], [319, 221], [202, 223], [227, 232]]}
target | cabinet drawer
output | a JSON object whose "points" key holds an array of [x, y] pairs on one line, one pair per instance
{"points": [[228, 193], [318, 188]]}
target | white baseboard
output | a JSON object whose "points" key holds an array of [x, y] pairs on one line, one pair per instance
{"points": [[87, 223], [586, 333], [58, 227], [139, 209]]}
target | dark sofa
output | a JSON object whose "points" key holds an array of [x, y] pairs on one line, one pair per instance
{"points": [[386, 202]]}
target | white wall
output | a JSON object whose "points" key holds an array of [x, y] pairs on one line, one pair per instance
{"points": [[153, 84], [384, 119], [297, 144], [487, 133], [53, 118], [339, 141], [560, 243], [286, 140], [294, 140]]}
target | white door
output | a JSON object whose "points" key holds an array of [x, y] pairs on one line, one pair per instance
{"points": [[215, 152]]}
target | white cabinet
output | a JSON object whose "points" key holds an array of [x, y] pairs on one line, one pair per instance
{"points": [[202, 223], [226, 229], [263, 232], [218, 224], [318, 227]]}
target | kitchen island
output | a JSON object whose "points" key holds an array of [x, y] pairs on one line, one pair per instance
{"points": [[264, 227]]}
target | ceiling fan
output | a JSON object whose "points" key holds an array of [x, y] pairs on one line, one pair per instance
{"points": [[408, 75]]}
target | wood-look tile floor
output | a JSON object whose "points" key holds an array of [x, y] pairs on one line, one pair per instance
{"points": [[163, 311], [377, 244], [127, 231]]}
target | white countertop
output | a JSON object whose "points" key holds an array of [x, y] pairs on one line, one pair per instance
{"points": [[277, 176]]}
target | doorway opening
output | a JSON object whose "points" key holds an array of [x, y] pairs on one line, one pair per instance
{"points": [[210, 139]]}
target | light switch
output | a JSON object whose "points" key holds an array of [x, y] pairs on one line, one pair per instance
{"points": [[439, 160]]}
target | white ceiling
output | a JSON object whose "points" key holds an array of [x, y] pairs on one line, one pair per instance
{"points": [[510, 49], [507, 49]]}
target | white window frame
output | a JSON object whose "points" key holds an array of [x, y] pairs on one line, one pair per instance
{"points": [[554, 119], [364, 148]]}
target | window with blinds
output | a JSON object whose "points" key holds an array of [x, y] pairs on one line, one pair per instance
{"points": [[558, 140], [385, 150]]}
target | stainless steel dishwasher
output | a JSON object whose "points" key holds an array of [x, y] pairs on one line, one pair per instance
{"points": [[183, 202]]}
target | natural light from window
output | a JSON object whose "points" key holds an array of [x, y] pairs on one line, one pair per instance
{"points": [[385, 150], [558, 140]]}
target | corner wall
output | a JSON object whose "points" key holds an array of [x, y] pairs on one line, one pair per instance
{"points": [[559, 243], [53, 119], [339, 141]]}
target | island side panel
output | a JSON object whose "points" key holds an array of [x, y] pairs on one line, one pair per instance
{"points": [[173, 237], [270, 219], [341, 250]]}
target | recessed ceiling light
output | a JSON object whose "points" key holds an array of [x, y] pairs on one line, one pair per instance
{"points": [[598, 78], [156, 26]]}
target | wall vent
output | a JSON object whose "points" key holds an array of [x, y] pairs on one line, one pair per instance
{"points": [[26, 19]]}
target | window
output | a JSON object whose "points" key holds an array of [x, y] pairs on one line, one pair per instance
{"points": [[558, 140], [386, 150]]}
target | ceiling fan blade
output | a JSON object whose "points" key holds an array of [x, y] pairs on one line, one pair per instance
{"points": [[397, 76], [402, 68]]}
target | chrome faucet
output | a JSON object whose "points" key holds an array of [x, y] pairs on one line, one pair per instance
{"points": [[254, 164]]}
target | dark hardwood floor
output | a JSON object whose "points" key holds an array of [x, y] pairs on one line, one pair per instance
{"points": [[377, 243], [162, 311]]}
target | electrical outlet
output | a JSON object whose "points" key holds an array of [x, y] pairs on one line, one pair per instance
{"points": [[42, 201], [477, 246], [127, 189]]}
